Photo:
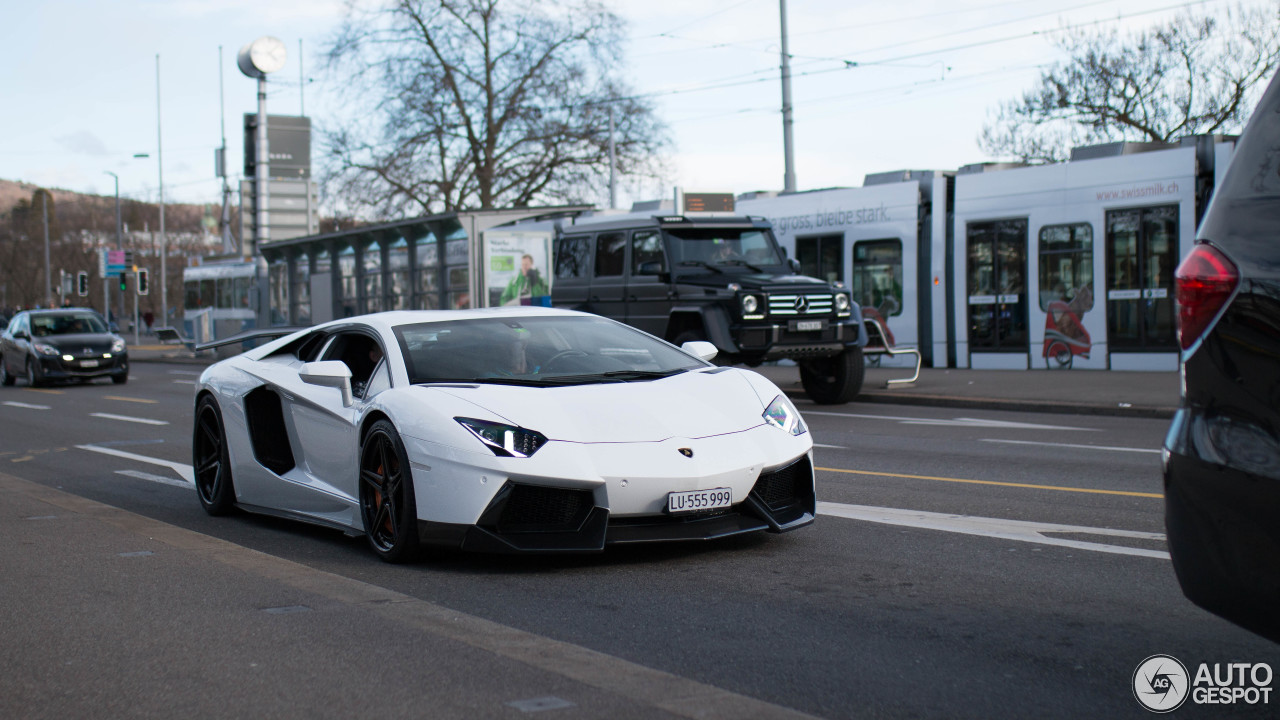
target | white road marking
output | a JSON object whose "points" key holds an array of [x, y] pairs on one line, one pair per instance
{"points": [[954, 422], [833, 447], [184, 382], [196, 373], [1019, 530], [1070, 445], [29, 406], [184, 471], [126, 418], [155, 478]]}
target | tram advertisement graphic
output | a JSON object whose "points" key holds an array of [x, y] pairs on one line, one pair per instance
{"points": [[1064, 334]]}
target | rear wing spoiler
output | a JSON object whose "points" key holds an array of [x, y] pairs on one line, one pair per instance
{"points": [[257, 334]]}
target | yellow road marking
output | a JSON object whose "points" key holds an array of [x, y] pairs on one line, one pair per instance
{"points": [[132, 400], [42, 390], [994, 482]]}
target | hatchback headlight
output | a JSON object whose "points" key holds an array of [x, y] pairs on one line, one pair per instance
{"points": [[117, 345], [45, 349], [784, 416], [504, 440]]}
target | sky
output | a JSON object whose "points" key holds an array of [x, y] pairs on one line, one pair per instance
{"points": [[876, 86]]}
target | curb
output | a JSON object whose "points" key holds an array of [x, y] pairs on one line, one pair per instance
{"points": [[1040, 406]]}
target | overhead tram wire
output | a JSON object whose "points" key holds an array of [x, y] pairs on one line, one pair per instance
{"points": [[749, 78]]}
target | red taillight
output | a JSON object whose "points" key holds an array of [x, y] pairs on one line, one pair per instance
{"points": [[1205, 280]]}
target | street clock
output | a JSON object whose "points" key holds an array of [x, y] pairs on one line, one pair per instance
{"points": [[264, 55]]}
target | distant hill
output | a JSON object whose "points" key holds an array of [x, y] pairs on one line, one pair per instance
{"points": [[11, 193]]}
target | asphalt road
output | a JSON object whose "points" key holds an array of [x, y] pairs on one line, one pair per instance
{"points": [[965, 564]]}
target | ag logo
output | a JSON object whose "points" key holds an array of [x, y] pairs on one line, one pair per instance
{"points": [[1161, 683]]}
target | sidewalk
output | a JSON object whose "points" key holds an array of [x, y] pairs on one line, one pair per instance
{"points": [[1090, 392]]}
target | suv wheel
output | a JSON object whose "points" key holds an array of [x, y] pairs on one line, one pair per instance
{"points": [[834, 380]]}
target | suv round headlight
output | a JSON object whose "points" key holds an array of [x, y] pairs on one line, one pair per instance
{"points": [[842, 302], [750, 304]]}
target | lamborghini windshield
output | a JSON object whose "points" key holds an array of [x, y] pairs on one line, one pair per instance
{"points": [[539, 351]]}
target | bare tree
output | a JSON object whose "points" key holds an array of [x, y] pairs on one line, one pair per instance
{"points": [[481, 104], [1191, 75]]}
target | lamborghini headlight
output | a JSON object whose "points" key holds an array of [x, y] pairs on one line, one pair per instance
{"points": [[504, 440], [784, 416]]}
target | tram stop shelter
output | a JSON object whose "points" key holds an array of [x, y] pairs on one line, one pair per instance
{"points": [[452, 260]]}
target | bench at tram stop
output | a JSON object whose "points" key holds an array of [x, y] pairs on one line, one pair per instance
{"points": [[880, 342]]}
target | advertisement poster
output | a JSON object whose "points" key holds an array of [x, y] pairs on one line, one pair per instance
{"points": [[517, 268]]}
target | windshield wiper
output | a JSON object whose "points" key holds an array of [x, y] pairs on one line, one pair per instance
{"points": [[614, 376], [522, 382], [744, 263], [700, 263]]}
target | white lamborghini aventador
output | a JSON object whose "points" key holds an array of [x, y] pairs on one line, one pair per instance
{"points": [[512, 429]]}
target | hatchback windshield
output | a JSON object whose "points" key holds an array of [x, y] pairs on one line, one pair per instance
{"points": [[723, 248], [539, 351], [66, 324]]}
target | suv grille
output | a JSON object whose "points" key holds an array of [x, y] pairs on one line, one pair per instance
{"points": [[796, 305]]}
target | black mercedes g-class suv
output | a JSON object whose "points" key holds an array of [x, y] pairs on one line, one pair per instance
{"points": [[720, 279]]}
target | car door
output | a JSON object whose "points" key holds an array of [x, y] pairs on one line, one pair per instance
{"points": [[329, 448], [18, 347], [608, 282], [8, 348], [649, 297], [321, 435]]}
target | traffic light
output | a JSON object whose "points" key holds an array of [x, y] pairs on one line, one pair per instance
{"points": [[82, 283], [142, 281], [124, 282]]}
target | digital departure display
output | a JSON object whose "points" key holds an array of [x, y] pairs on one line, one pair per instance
{"points": [[708, 202]]}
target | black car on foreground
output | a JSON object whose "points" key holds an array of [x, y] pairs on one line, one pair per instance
{"points": [[1222, 453], [65, 344]]}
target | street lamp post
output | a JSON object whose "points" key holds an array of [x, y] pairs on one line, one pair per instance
{"points": [[106, 305]]}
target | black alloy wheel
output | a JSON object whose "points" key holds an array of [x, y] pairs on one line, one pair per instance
{"points": [[5, 378], [210, 459], [34, 378], [387, 503]]}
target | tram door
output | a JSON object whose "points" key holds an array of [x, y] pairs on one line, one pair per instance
{"points": [[1142, 253], [997, 285]]}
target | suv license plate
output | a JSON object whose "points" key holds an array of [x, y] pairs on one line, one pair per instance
{"points": [[89, 363], [804, 325], [695, 500]]}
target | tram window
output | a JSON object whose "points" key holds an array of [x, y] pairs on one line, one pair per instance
{"points": [[877, 276], [1066, 266]]}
